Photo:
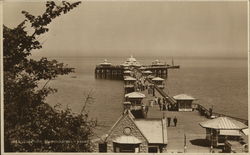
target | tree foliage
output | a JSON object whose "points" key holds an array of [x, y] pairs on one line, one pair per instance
{"points": [[31, 124]]}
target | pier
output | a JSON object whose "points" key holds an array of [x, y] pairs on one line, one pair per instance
{"points": [[140, 105], [106, 70]]}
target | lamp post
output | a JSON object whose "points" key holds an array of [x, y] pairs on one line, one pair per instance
{"points": [[185, 143]]}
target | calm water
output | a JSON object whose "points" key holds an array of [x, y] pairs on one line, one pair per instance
{"points": [[221, 83]]}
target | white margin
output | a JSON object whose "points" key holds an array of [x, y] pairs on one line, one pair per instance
{"points": [[58, 153]]}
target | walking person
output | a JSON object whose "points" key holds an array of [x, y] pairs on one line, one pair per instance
{"points": [[156, 100], [160, 103], [169, 120], [175, 121]]}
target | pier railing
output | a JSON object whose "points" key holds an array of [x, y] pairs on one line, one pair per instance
{"points": [[202, 110], [205, 112]]}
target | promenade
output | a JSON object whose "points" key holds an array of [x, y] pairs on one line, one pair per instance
{"points": [[188, 124]]}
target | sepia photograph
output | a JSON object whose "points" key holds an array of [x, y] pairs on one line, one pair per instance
{"points": [[124, 76]]}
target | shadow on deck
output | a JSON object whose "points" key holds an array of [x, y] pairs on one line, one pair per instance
{"points": [[200, 142]]}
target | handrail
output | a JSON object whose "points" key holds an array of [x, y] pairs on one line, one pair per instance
{"points": [[200, 108], [207, 113]]}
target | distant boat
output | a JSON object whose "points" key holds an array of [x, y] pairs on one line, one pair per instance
{"points": [[74, 76]]}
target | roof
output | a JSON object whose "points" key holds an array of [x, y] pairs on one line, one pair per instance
{"points": [[127, 71], [146, 72], [129, 78], [131, 62], [158, 79], [125, 114], [135, 95], [183, 97], [154, 130], [223, 123], [127, 140]]}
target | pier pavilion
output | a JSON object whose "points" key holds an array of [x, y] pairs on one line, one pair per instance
{"points": [[129, 84], [130, 135], [146, 73], [159, 82], [127, 73], [106, 70], [131, 62], [137, 108], [184, 102], [220, 129]]}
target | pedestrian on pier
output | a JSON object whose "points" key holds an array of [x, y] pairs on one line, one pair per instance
{"points": [[175, 121], [169, 121], [156, 100], [160, 103], [149, 90], [164, 106]]}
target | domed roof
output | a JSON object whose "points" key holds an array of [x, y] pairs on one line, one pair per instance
{"points": [[131, 59], [131, 62]]}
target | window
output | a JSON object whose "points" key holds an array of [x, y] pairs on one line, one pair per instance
{"points": [[152, 149], [129, 148]]}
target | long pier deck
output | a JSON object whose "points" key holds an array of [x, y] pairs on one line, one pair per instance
{"points": [[188, 136], [187, 125]]}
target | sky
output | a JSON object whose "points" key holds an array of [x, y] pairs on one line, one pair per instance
{"points": [[163, 28]]}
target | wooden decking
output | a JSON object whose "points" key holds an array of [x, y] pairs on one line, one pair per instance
{"points": [[187, 125]]}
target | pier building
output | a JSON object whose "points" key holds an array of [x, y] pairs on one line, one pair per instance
{"points": [[131, 62], [146, 73], [130, 135], [184, 102], [106, 70], [127, 73], [129, 84], [137, 108], [159, 82], [220, 129]]}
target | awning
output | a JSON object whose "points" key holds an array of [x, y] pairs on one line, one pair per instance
{"points": [[223, 123], [149, 72], [135, 95], [183, 97], [127, 71], [130, 79], [158, 79], [230, 132], [127, 140]]}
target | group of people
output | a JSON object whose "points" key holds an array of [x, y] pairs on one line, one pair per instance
{"points": [[162, 102], [140, 84], [174, 120]]}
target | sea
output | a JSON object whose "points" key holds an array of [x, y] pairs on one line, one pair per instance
{"points": [[221, 83]]}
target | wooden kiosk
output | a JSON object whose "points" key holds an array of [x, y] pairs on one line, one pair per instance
{"points": [[138, 109], [159, 82], [184, 102], [129, 84], [220, 129]]}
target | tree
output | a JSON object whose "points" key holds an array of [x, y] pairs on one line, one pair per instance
{"points": [[31, 124]]}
